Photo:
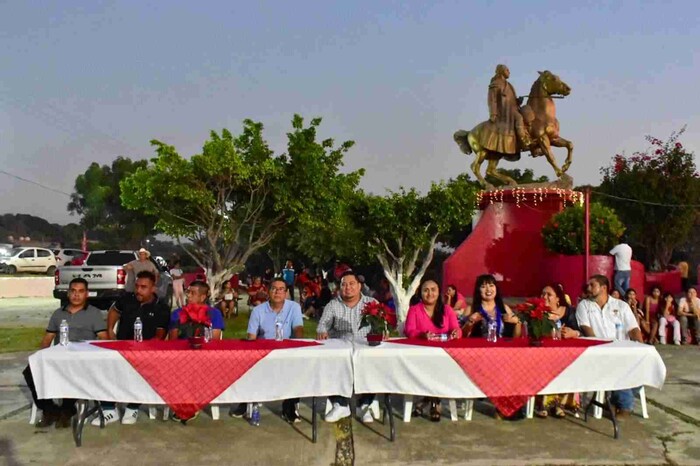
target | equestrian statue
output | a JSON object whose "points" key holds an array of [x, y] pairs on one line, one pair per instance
{"points": [[512, 129]]}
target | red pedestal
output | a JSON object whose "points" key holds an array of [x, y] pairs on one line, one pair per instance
{"points": [[507, 242]]}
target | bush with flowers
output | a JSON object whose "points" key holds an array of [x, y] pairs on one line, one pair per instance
{"points": [[564, 233], [380, 318], [535, 312]]}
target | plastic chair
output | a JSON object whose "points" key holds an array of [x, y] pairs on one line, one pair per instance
{"points": [[600, 396], [374, 408]]}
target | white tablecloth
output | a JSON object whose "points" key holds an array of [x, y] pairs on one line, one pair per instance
{"points": [[85, 371], [429, 371]]}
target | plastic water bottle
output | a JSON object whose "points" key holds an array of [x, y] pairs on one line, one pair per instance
{"points": [[443, 337], [63, 330], [618, 327], [207, 333], [556, 332], [279, 331], [138, 330], [255, 416], [492, 334]]}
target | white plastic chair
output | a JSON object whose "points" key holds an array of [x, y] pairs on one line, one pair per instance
{"points": [[374, 408], [600, 396]]}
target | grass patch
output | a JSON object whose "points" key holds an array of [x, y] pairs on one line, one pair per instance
{"points": [[14, 339]]}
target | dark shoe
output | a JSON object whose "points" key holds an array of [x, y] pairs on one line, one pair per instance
{"points": [[47, 419], [435, 412], [291, 416], [63, 421], [239, 411]]}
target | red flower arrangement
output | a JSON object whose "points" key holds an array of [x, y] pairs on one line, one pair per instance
{"points": [[535, 312], [193, 319], [380, 318]]}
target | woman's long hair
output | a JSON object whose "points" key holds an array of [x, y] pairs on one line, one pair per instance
{"points": [[662, 304], [439, 312], [453, 300], [559, 292], [476, 300]]}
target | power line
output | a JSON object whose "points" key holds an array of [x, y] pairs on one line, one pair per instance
{"points": [[659, 204], [35, 183]]}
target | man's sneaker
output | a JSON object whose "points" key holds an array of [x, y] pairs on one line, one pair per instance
{"points": [[364, 413], [130, 416], [337, 413], [111, 416], [238, 411], [291, 416]]}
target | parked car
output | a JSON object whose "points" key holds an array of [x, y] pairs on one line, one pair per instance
{"points": [[106, 277], [28, 259], [66, 256]]}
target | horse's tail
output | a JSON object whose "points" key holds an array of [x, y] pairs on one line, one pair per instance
{"points": [[461, 137]]}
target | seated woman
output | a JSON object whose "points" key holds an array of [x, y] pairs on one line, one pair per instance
{"points": [[257, 292], [456, 301], [559, 311], [488, 306], [667, 316], [651, 306], [228, 299], [636, 306], [429, 319]]}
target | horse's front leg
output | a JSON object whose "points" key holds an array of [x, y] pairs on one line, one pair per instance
{"points": [[547, 149], [479, 157], [561, 142], [491, 170]]}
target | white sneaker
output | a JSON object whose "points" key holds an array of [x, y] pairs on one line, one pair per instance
{"points": [[364, 413], [337, 413], [130, 416], [111, 416]]}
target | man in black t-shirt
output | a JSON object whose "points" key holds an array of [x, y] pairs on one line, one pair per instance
{"points": [[155, 317]]}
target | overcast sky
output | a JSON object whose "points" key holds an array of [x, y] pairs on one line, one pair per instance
{"points": [[89, 81]]}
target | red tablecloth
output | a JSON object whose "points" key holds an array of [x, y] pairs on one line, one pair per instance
{"points": [[510, 370], [189, 379]]}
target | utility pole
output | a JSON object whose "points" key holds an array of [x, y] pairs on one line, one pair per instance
{"points": [[587, 230]]}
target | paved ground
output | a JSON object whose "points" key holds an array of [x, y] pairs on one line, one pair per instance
{"points": [[27, 312], [670, 437]]}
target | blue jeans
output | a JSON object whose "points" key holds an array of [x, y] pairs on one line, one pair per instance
{"points": [[624, 399], [622, 281]]}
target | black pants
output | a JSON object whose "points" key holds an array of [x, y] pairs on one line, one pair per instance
{"points": [[47, 406], [365, 399]]}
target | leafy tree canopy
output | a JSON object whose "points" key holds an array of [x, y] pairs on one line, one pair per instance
{"points": [[564, 233]]}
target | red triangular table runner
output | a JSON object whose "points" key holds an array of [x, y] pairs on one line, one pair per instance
{"points": [[510, 371], [188, 379]]}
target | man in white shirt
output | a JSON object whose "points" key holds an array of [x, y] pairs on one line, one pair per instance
{"points": [[598, 317], [689, 311], [623, 267]]}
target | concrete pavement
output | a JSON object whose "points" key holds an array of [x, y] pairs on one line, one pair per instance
{"points": [[671, 435]]}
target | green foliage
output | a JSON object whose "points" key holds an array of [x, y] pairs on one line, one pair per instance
{"points": [[521, 177], [14, 339], [564, 233], [663, 174], [97, 199], [236, 197], [38, 229]]}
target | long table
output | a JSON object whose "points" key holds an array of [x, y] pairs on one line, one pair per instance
{"points": [[85, 371]]}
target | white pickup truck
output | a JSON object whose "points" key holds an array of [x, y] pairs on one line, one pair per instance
{"points": [[106, 277]]}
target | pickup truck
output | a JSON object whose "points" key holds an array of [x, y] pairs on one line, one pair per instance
{"points": [[106, 277]]}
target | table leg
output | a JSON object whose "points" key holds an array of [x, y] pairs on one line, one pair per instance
{"points": [[607, 403], [387, 408], [79, 422], [314, 421]]}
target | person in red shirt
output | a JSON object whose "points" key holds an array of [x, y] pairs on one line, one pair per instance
{"points": [[257, 292]]}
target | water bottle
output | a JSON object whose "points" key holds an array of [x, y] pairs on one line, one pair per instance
{"points": [[279, 332], [207, 333], [138, 330], [255, 416], [556, 332], [618, 327], [492, 334], [64, 329]]}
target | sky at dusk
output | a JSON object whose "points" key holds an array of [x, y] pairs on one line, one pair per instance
{"points": [[90, 81]]}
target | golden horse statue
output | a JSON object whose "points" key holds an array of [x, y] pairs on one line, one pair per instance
{"points": [[539, 117]]}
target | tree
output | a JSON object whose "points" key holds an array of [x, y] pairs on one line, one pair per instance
{"points": [[235, 197], [97, 199], [521, 177], [564, 232], [655, 193], [401, 229]]}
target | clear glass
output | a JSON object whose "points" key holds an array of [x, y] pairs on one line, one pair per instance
{"points": [[207, 333]]}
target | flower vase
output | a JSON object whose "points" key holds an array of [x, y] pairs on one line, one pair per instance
{"points": [[374, 339]]}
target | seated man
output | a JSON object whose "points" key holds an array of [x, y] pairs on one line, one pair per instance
{"points": [[341, 319], [197, 293], [262, 323], [689, 313], [597, 317], [155, 317], [85, 322]]}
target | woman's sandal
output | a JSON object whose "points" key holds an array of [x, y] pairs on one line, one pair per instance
{"points": [[559, 413], [434, 412], [542, 413], [418, 409]]}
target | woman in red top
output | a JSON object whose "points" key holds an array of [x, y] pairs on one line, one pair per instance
{"points": [[257, 292], [431, 319]]}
